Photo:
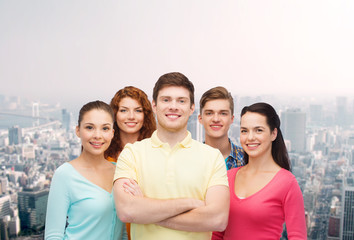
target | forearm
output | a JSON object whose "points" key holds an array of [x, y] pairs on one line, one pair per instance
{"points": [[202, 219], [211, 217], [143, 210]]}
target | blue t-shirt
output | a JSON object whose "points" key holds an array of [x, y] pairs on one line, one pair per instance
{"points": [[88, 209]]}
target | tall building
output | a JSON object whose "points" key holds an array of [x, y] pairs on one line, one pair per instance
{"points": [[15, 135], [347, 225], [32, 206], [5, 206], [293, 126], [341, 113], [66, 119], [193, 124]]}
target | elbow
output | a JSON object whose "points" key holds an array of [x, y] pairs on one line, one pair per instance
{"points": [[220, 223], [124, 217]]}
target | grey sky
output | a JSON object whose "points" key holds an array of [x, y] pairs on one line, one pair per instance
{"points": [[86, 50]]}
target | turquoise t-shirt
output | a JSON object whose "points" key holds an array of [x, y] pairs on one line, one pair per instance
{"points": [[88, 209]]}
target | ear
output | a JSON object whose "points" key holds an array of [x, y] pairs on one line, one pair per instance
{"points": [[274, 134], [232, 118], [200, 118], [153, 103], [192, 109], [77, 131]]}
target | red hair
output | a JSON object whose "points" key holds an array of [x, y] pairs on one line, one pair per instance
{"points": [[149, 124]]}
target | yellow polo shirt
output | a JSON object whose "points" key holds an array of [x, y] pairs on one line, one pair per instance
{"points": [[185, 171]]}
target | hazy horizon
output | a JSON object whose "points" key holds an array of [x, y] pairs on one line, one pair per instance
{"points": [[85, 50]]}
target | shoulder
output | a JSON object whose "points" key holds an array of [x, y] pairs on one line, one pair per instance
{"points": [[232, 172], [287, 181], [63, 170], [203, 146]]}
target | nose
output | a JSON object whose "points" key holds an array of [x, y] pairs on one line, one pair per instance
{"points": [[131, 115], [97, 133], [250, 135], [173, 104], [215, 117]]}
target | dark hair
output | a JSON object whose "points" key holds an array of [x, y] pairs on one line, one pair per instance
{"points": [[214, 94], [149, 124], [173, 79], [279, 152], [99, 105]]}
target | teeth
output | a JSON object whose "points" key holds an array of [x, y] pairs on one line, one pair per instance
{"points": [[172, 116], [252, 145], [96, 144]]}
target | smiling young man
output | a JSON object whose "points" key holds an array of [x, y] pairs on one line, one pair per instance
{"points": [[216, 116], [182, 190]]}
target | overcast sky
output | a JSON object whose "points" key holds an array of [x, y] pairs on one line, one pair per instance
{"points": [[84, 50]]}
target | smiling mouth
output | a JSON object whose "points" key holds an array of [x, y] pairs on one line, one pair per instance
{"points": [[131, 124], [96, 145], [252, 145], [215, 127], [172, 116]]}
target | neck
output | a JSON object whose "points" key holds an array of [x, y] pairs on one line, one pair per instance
{"points": [[90, 160], [262, 163], [172, 138], [221, 143], [128, 137]]}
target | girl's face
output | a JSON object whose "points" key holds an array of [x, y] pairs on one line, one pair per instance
{"points": [[130, 116], [96, 131], [256, 137]]}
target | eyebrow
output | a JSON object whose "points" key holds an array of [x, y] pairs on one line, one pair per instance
{"points": [[128, 107]]}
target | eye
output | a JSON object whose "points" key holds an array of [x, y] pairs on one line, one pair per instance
{"points": [[243, 131], [165, 100], [122, 110], [208, 113], [259, 130], [139, 110], [224, 114], [182, 101], [89, 127]]}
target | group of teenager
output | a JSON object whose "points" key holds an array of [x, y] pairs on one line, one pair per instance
{"points": [[140, 175]]}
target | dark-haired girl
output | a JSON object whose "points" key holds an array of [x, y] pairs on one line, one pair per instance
{"points": [[264, 193]]}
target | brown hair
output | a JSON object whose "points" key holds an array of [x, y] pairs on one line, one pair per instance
{"points": [[214, 94], [99, 105], [149, 124], [173, 79]]}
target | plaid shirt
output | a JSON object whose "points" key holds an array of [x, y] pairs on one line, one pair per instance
{"points": [[236, 157]]}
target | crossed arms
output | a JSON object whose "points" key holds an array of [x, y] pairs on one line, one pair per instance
{"points": [[185, 214]]}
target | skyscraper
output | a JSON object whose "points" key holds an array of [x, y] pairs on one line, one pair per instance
{"points": [[347, 225], [341, 114], [32, 205], [15, 135], [293, 126], [66, 118]]}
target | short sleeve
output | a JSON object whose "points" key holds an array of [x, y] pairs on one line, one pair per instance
{"points": [[219, 173], [57, 206], [295, 212], [126, 164]]}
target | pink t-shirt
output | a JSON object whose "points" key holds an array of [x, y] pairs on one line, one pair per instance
{"points": [[261, 215]]}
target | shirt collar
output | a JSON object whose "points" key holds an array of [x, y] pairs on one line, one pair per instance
{"points": [[186, 142]]}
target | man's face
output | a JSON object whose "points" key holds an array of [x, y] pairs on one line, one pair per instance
{"points": [[216, 117], [173, 108]]}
